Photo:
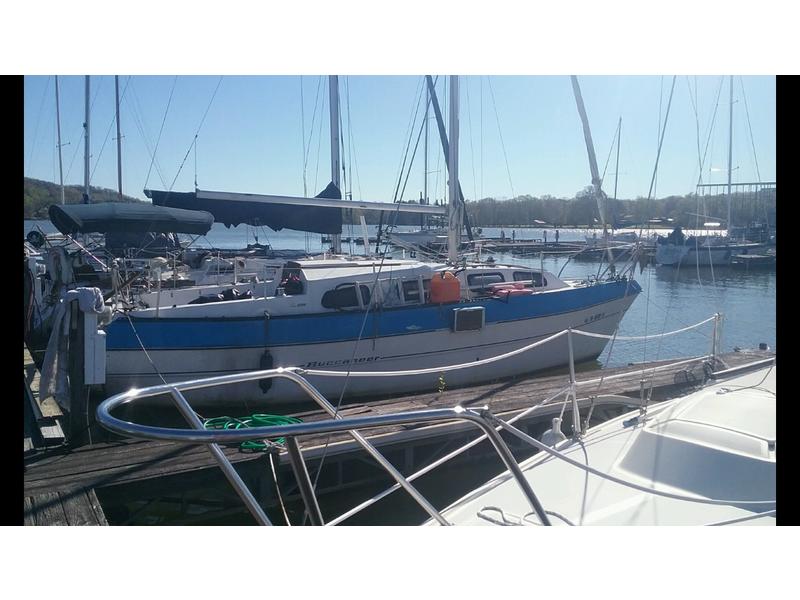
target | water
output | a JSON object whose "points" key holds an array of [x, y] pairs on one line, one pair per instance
{"points": [[670, 299]]}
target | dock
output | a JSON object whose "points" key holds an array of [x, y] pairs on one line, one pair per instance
{"points": [[88, 484]]}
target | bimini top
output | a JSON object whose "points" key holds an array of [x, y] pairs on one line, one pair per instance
{"points": [[131, 217]]}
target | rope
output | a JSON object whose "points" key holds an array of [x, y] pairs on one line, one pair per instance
{"points": [[278, 489], [486, 361], [536, 443], [356, 509]]}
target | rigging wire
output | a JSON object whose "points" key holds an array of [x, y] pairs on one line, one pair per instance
{"points": [[351, 141], [750, 128], [319, 144], [196, 133], [471, 150], [410, 135], [375, 284], [610, 150], [649, 199], [108, 132], [658, 131], [161, 130], [138, 119], [38, 119], [303, 136], [499, 130], [693, 100], [480, 79], [307, 146], [78, 146]]}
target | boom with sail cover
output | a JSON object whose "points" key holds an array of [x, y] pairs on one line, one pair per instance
{"points": [[235, 209]]}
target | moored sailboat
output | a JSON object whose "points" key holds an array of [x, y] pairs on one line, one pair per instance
{"points": [[379, 314]]}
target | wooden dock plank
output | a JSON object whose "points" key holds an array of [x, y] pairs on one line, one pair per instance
{"points": [[74, 507], [78, 508], [91, 497], [27, 514], [48, 510]]}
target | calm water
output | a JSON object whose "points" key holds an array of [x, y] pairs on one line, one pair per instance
{"points": [[670, 299]]}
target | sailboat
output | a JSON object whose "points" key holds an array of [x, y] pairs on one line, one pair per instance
{"points": [[614, 246], [338, 313], [677, 249]]}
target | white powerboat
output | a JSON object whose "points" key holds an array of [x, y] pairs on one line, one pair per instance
{"points": [[706, 458]]}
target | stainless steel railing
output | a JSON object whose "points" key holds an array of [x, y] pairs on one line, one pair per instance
{"points": [[480, 417]]}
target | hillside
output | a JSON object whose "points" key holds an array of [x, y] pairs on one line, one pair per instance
{"points": [[39, 195]]}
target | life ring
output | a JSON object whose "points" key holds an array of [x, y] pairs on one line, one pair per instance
{"points": [[35, 238]]}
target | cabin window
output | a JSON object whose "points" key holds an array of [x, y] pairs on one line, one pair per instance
{"points": [[480, 282], [534, 276], [411, 291], [344, 296], [291, 282]]}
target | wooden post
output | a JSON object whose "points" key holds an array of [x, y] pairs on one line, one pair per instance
{"points": [[77, 434]]}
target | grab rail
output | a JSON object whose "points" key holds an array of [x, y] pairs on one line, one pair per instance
{"points": [[198, 435]]}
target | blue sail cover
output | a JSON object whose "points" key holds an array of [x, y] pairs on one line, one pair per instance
{"points": [[123, 217], [275, 216]]}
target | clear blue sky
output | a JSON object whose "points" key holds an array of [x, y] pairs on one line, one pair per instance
{"points": [[251, 140]]}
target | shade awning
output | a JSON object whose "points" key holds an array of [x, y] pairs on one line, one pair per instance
{"points": [[126, 217]]}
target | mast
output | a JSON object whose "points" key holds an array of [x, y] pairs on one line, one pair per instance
{"points": [[425, 168], [730, 159], [86, 148], [616, 169], [445, 146], [333, 92], [58, 129], [455, 212], [119, 139], [587, 134]]}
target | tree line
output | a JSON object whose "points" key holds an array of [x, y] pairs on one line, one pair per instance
{"points": [[522, 211], [39, 195]]}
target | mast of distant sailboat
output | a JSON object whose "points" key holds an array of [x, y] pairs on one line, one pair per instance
{"points": [[119, 139], [58, 129], [455, 206], [86, 148], [333, 92], [730, 159]]}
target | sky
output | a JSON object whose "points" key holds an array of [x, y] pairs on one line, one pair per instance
{"points": [[519, 134]]}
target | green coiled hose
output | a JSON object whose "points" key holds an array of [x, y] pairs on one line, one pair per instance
{"points": [[256, 420]]}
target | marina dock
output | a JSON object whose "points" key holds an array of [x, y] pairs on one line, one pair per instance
{"points": [[90, 484]]}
